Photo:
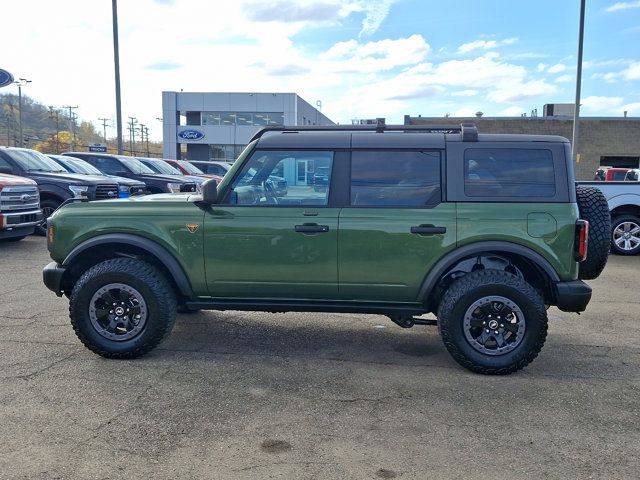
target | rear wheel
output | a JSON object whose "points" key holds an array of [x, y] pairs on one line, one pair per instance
{"points": [[122, 308], [492, 322], [625, 235]]}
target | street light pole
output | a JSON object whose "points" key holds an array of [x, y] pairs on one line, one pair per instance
{"points": [[116, 64], [576, 111], [22, 82]]}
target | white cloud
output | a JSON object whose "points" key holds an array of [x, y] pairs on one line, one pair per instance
{"points": [[485, 44], [600, 104], [465, 112], [375, 13], [633, 72], [557, 68], [616, 7], [541, 67], [632, 109], [511, 112], [465, 93], [567, 78]]}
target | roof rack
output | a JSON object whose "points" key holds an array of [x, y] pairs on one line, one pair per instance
{"points": [[468, 131]]}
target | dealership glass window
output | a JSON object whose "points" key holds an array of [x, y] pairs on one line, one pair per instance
{"points": [[260, 118], [244, 118], [508, 172], [402, 179], [227, 118], [210, 118], [275, 118], [273, 178]]}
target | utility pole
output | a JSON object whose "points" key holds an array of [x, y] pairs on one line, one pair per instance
{"points": [[56, 114], [576, 112], [72, 126], [104, 128], [132, 123], [142, 134], [116, 64], [21, 83], [146, 134]]}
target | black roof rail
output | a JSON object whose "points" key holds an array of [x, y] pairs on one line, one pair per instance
{"points": [[468, 131]]}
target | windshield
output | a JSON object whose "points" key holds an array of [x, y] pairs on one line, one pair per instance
{"points": [[33, 161], [136, 166], [192, 169], [81, 166], [161, 167]]}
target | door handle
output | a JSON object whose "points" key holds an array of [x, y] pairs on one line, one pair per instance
{"points": [[428, 230], [312, 228]]}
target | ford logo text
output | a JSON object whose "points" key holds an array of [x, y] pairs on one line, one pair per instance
{"points": [[191, 135]]}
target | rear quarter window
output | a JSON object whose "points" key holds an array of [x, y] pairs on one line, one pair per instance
{"points": [[509, 172]]}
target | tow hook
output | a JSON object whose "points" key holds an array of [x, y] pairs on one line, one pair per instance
{"points": [[407, 321]]}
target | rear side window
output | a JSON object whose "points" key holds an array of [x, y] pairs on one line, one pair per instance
{"points": [[401, 179], [508, 172], [107, 165]]}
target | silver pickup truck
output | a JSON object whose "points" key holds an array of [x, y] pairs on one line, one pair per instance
{"points": [[624, 205]]}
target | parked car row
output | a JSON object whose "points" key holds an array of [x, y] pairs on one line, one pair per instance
{"points": [[616, 174], [33, 185]]}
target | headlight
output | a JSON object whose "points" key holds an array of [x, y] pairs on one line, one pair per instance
{"points": [[174, 187], [198, 188], [79, 191], [123, 189]]}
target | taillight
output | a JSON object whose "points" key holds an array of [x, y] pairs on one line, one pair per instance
{"points": [[582, 240]]}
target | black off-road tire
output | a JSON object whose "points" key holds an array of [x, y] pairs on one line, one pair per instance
{"points": [[615, 222], [149, 282], [474, 286], [594, 208]]}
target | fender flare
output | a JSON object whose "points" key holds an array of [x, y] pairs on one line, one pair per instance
{"points": [[162, 254], [471, 249]]}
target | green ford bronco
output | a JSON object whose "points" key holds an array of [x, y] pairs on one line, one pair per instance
{"points": [[485, 231]]}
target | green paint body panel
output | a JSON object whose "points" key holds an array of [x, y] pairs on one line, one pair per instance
{"points": [[380, 259], [527, 224], [255, 252]]}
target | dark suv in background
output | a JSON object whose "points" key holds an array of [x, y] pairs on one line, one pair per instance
{"points": [[55, 184], [133, 168], [126, 186]]}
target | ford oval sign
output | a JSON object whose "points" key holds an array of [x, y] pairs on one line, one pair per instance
{"points": [[5, 78], [191, 135]]}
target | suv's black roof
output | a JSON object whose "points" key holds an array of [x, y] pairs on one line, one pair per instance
{"points": [[349, 139]]}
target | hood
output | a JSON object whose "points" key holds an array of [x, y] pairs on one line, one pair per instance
{"points": [[164, 178], [6, 180], [70, 178], [125, 181]]}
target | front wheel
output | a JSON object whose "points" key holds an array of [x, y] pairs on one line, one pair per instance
{"points": [[47, 207], [122, 308], [625, 235], [492, 322]]}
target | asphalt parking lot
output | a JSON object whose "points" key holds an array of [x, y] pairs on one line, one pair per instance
{"points": [[251, 395]]}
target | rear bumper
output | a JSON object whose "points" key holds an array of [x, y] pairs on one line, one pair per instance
{"points": [[572, 296], [52, 277]]}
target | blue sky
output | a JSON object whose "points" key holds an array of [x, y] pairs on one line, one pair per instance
{"points": [[360, 58]]}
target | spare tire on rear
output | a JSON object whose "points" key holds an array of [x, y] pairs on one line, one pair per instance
{"points": [[594, 208]]}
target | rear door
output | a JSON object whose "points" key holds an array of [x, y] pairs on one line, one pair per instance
{"points": [[395, 226]]}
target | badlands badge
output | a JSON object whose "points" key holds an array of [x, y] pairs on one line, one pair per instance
{"points": [[192, 227]]}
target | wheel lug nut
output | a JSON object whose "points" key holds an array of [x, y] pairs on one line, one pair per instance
{"points": [[487, 331], [496, 332], [502, 325], [484, 323]]}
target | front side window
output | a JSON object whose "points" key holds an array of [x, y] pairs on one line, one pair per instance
{"points": [[107, 165], [283, 178], [393, 178], [508, 172]]}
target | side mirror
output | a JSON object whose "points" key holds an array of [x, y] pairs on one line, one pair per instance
{"points": [[210, 192], [6, 169]]}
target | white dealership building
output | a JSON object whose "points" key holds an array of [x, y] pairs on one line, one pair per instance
{"points": [[218, 125]]}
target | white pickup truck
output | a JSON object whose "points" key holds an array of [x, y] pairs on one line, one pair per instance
{"points": [[624, 205]]}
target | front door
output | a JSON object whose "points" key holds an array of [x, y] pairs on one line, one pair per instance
{"points": [[396, 226], [261, 244]]}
